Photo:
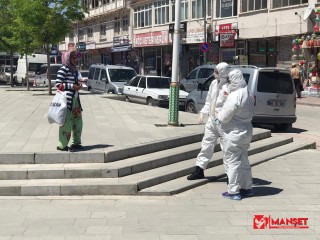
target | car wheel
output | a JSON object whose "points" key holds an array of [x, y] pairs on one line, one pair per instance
{"points": [[191, 107], [150, 101], [282, 126], [127, 99]]}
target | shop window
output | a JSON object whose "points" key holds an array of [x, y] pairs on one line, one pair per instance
{"points": [[161, 9], [285, 3], [226, 8], [184, 11], [261, 46], [252, 5], [241, 50], [143, 16], [271, 46]]}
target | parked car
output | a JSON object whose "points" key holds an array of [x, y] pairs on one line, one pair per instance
{"points": [[151, 90], [109, 78], [42, 75], [273, 91], [196, 76], [5, 73], [84, 78]]}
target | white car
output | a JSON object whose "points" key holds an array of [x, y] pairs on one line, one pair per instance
{"points": [[151, 90]]}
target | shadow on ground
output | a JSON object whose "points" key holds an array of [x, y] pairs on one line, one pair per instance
{"points": [[91, 147]]}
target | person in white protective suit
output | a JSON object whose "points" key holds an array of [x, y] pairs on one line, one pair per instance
{"points": [[235, 121], [213, 104]]}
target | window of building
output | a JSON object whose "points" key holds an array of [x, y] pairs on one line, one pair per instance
{"points": [[103, 30], [125, 23], [143, 16], [161, 12], [184, 11], [226, 8], [90, 33], [285, 3], [117, 25], [251, 5], [71, 36], [196, 9], [80, 34]]}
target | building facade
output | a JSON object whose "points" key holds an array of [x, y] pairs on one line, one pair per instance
{"points": [[138, 33]]}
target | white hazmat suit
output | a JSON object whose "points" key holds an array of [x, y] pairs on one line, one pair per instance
{"points": [[213, 105], [235, 118]]}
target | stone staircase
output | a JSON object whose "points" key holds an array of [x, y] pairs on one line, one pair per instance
{"points": [[157, 168]]}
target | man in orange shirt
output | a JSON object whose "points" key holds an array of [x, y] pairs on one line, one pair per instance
{"points": [[296, 78]]}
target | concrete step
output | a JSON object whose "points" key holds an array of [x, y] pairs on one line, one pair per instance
{"points": [[115, 169], [181, 184], [167, 173], [114, 154], [129, 185]]}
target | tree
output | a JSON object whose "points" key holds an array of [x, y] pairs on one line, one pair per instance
{"points": [[6, 34], [44, 22]]}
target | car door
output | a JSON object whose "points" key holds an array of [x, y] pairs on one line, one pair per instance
{"points": [[191, 81], [202, 94], [131, 88], [96, 80], [203, 74], [140, 91], [103, 82]]}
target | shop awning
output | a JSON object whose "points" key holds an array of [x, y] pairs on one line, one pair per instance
{"points": [[121, 48]]}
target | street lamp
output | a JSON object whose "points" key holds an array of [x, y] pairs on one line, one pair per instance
{"points": [[174, 85], [204, 3]]}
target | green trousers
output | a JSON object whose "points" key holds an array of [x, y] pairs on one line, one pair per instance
{"points": [[72, 126]]}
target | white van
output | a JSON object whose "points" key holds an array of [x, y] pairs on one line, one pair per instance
{"points": [[42, 75], [34, 63], [109, 78], [273, 91]]}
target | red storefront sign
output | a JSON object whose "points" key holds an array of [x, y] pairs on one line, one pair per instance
{"points": [[227, 40], [150, 39]]}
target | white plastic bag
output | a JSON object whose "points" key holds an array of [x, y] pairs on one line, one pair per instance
{"points": [[58, 109]]}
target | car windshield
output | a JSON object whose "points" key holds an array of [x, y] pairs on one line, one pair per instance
{"points": [[121, 75], [8, 69], [275, 82], [35, 67], [84, 74], [153, 82]]}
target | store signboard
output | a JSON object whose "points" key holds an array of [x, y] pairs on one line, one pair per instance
{"points": [[227, 40], [195, 35], [150, 39], [225, 28]]}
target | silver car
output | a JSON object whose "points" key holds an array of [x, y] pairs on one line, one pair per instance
{"points": [[196, 76], [273, 92]]}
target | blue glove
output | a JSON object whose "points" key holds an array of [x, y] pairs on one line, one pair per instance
{"points": [[216, 121]]}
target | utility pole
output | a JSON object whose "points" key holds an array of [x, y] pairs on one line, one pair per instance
{"points": [[204, 2], [174, 86]]}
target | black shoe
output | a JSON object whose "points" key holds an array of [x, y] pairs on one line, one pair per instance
{"points": [[76, 147], [63, 149], [197, 174]]}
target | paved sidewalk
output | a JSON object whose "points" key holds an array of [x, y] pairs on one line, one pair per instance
{"points": [[108, 123], [287, 188]]}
